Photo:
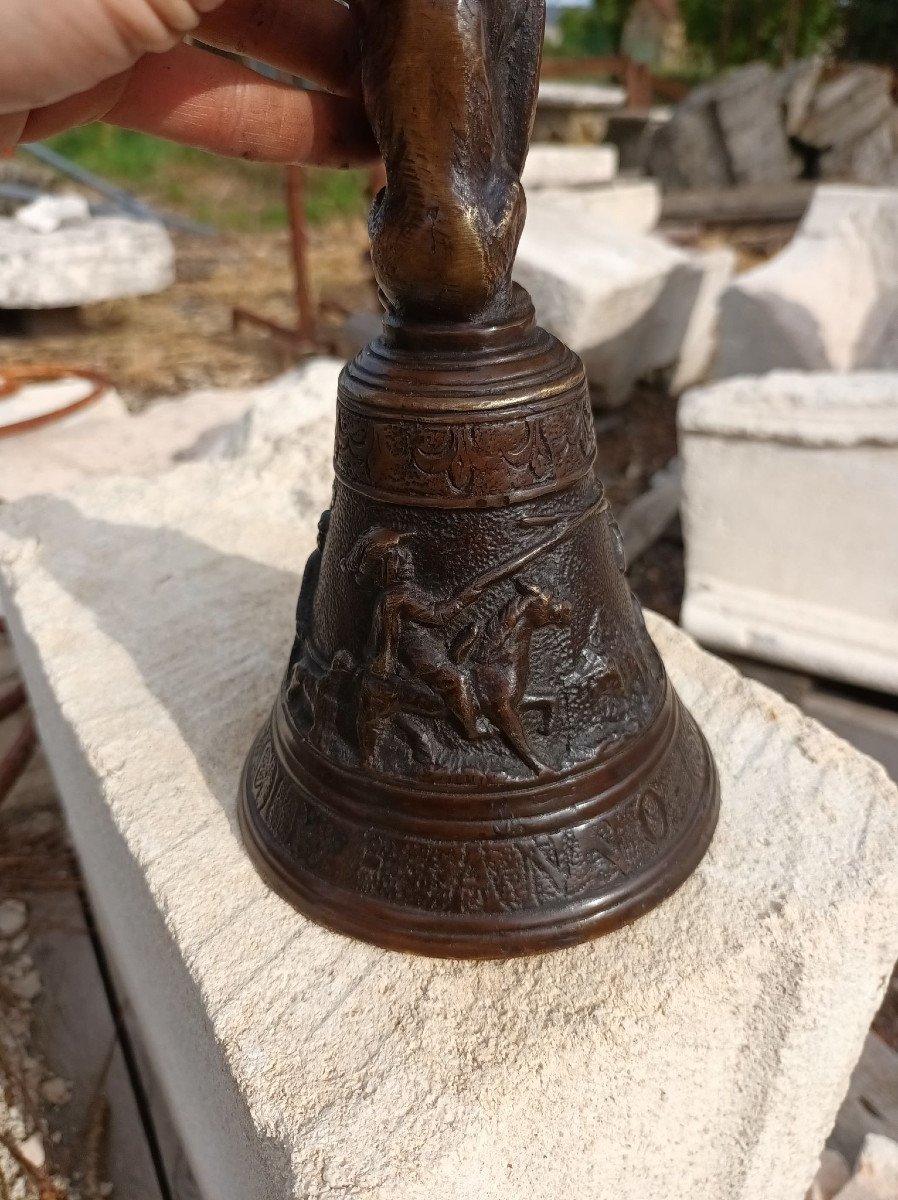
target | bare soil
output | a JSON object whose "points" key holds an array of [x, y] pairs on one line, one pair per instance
{"points": [[183, 338]]}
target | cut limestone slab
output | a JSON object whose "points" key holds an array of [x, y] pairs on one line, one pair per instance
{"points": [[847, 107], [556, 93], [700, 340], [871, 159], [46, 214], [207, 424], [688, 151], [575, 113], [871, 1105], [623, 301], [790, 510], [779, 315], [101, 259], [49, 399], [703, 1050], [832, 1175], [550, 166], [633, 204], [796, 86], [749, 115], [107, 440], [876, 1174]]}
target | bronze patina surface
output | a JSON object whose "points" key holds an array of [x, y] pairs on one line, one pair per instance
{"points": [[475, 751]]}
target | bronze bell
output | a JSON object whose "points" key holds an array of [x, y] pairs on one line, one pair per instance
{"points": [[476, 751]]}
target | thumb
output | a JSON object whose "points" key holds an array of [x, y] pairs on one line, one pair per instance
{"points": [[53, 49]]}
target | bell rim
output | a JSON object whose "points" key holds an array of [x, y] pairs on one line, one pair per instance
{"points": [[491, 935]]}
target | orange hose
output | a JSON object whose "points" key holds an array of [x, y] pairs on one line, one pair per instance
{"points": [[12, 378]]}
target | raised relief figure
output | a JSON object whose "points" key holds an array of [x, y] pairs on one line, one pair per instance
{"points": [[413, 668]]}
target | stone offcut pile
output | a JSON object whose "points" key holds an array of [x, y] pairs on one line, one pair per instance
{"points": [[758, 126]]}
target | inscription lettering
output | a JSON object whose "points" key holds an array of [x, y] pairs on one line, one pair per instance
{"points": [[653, 816]]}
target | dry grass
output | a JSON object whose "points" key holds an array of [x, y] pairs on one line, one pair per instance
{"points": [[182, 339]]}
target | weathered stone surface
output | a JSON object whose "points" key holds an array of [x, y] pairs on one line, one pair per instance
{"points": [[212, 423], [796, 86], [633, 204], [876, 1174], [556, 93], [103, 259], [621, 300], [703, 1050], [293, 413], [550, 166], [847, 107], [871, 1105], [689, 150], [749, 115], [700, 341], [832, 1175], [46, 214], [632, 132], [106, 440], [790, 507], [780, 316], [575, 113], [871, 159]]}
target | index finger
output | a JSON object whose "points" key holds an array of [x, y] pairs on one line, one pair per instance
{"points": [[316, 39]]}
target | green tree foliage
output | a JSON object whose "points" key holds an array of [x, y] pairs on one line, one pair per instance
{"points": [[592, 31], [725, 33], [729, 32], [870, 31]]}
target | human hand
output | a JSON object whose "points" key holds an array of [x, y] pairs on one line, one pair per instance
{"points": [[67, 62]]}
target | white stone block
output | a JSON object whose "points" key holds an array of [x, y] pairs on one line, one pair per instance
{"points": [[876, 1175], [749, 115], [797, 85], [847, 107], [832, 1175], [633, 204], [46, 214], [284, 411], [702, 1051], [274, 418], [829, 301], [551, 166], [49, 399], [790, 511], [102, 259], [107, 440], [700, 341], [555, 93], [623, 301]]}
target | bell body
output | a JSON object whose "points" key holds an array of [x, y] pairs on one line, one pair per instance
{"points": [[476, 751]]}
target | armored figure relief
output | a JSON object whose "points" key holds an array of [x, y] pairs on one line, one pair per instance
{"points": [[413, 668]]}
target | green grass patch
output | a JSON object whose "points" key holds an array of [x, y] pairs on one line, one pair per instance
{"points": [[121, 155], [230, 194]]}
